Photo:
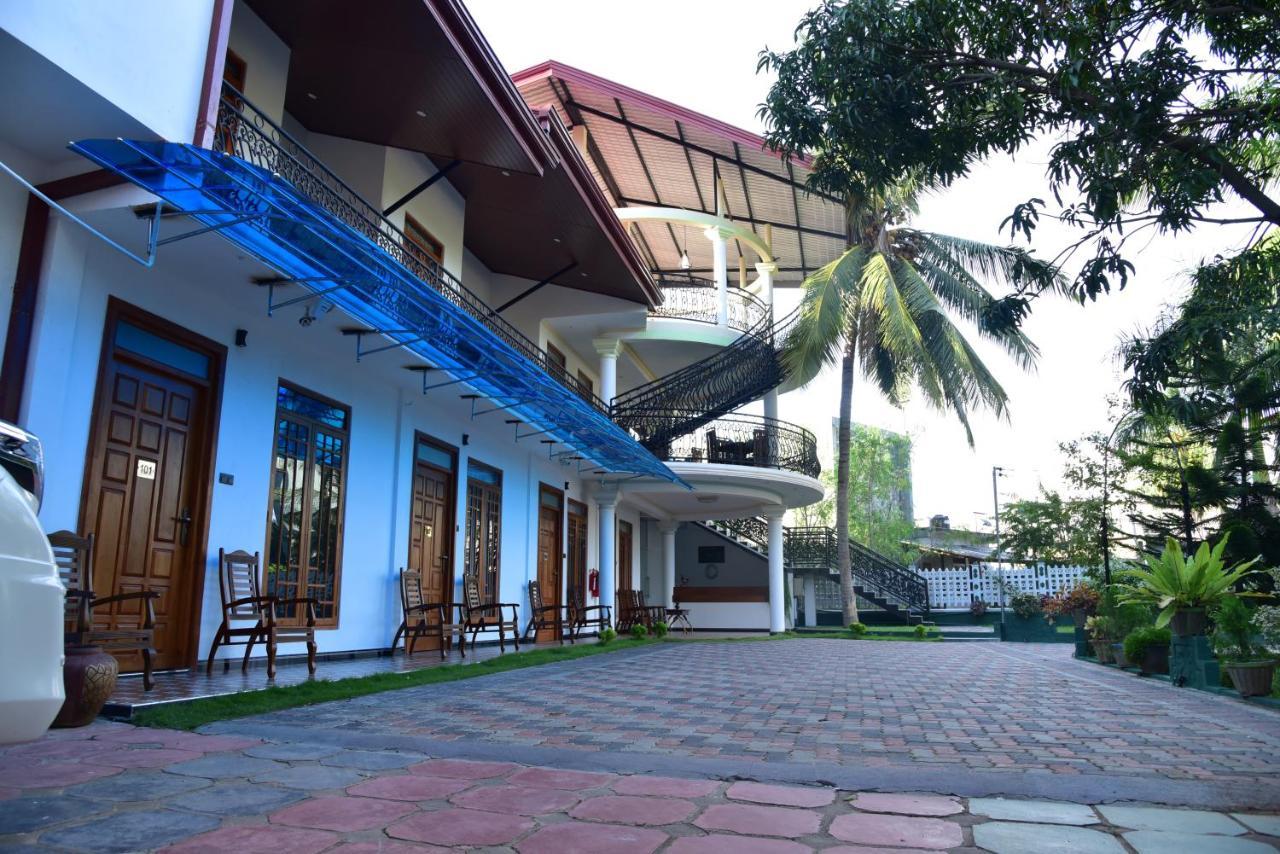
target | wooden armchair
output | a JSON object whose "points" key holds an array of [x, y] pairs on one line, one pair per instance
{"points": [[543, 616], [125, 632], [634, 612], [253, 617], [479, 616], [423, 619], [581, 615]]}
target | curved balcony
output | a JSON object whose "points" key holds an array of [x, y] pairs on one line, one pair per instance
{"points": [[743, 440], [694, 299]]}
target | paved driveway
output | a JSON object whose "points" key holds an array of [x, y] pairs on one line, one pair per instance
{"points": [[685, 749], [991, 718]]}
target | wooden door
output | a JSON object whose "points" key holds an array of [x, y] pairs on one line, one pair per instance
{"points": [[147, 479], [431, 524], [550, 557], [577, 581], [624, 557]]}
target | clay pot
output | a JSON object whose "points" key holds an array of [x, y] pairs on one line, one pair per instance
{"points": [[1155, 659], [1189, 621], [1102, 649], [1251, 678], [1117, 654], [90, 678]]}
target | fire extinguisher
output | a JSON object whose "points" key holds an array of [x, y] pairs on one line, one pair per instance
{"points": [[593, 583]]}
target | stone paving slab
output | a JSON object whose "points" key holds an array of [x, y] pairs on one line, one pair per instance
{"points": [[447, 802]]}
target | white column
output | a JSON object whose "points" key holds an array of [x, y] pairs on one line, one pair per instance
{"points": [[608, 348], [720, 266], [764, 275], [777, 590], [771, 404], [668, 530], [810, 601], [606, 505]]}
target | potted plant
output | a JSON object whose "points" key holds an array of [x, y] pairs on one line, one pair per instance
{"points": [[1148, 647], [1081, 602], [1102, 631], [1183, 589], [1248, 664]]}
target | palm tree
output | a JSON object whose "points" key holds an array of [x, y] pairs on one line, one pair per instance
{"points": [[883, 306]]}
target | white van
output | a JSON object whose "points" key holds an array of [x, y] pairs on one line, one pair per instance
{"points": [[31, 596]]}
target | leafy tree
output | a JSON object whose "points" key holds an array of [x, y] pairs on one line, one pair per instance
{"points": [[1155, 110], [883, 305], [1053, 529], [1209, 375], [878, 476]]}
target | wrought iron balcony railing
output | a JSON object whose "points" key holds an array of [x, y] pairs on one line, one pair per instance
{"points": [[744, 440], [697, 300], [246, 132]]}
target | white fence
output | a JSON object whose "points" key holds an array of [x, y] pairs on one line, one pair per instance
{"points": [[959, 587]]}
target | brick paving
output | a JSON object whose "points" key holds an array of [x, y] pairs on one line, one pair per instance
{"points": [[390, 773], [998, 708]]}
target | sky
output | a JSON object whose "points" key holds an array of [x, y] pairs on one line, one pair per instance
{"points": [[700, 56]]}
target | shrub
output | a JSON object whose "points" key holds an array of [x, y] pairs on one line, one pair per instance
{"points": [[1101, 627], [1026, 605], [639, 632], [660, 629], [607, 635], [921, 631], [1233, 631], [978, 608], [1138, 640], [857, 629]]}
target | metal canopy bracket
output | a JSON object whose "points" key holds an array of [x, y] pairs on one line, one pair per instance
{"points": [[418, 190], [529, 291]]}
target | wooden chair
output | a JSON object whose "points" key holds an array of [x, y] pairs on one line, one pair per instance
{"points": [[417, 620], [479, 616], [543, 616], [239, 583], [581, 615], [74, 556]]}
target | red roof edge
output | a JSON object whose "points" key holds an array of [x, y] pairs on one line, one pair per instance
{"points": [[701, 121], [461, 30], [580, 175]]}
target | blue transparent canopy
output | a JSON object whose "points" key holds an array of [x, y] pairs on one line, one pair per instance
{"points": [[270, 219]]}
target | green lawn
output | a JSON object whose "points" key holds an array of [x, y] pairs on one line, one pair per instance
{"points": [[196, 713]]}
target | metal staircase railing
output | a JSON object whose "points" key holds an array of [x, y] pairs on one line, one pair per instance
{"points": [[679, 403], [815, 548]]}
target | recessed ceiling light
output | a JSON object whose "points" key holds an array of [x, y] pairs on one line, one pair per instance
{"points": [[708, 499], [506, 174], [555, 240], [313, 96], [583, 275], [420, 113]]}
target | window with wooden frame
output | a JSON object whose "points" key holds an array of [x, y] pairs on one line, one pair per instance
{"points": [[308, 494], [423, 244], [556, 361], [234, 70], [482, 548], [584, 383]]}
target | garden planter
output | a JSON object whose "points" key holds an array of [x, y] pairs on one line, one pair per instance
{"points": [[1118, 656], [1251, 678], [89, 677], [1103, 648], [1155, 659], [1189, 621]]}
